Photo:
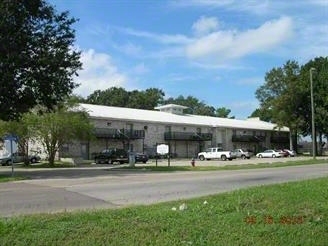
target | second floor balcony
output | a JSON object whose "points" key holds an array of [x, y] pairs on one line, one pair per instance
{"points": [[112, 133], [248, 138], [187, 136], [279, 139]]}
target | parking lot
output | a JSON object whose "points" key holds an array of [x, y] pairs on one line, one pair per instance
{"points": [[215, 162]]}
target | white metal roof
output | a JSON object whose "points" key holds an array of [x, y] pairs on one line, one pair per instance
{"points": [[140, 115]]}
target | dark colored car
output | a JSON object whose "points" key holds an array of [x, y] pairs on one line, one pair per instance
{"points": [[112, 155], [140, 157], [291, 153], [283, 153]]}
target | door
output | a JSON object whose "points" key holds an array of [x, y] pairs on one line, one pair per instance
{"points": [[85, 151]]}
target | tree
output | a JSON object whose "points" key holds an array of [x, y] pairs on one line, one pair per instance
{"points": [[205, 110], [54, 129], [154, 97], [21, 129], [281, 97], [320, 97], [115, 96], [223, 113], [37, 59], [263, 114], [119, 97], [285, 97], [147, 99]]}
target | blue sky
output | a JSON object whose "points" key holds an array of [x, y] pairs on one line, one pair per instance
{"points": [[215, 50]]}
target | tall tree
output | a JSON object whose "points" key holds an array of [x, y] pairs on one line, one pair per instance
{"points": [[320, 97], [37, 59], [148, 99], [223, 112], [114, 96], [119, 97], [154, 97], [286, 97], [281, 96], [263, 114]]}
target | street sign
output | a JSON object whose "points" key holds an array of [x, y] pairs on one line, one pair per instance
{"points": [[11, 137], [10, 146], [13, 140], [10, 143], [162, 149]]}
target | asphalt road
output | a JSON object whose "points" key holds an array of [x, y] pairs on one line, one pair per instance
{"points": [[100, 187]]}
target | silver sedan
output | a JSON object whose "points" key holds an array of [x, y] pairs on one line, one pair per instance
{"points": [[269, 153]]}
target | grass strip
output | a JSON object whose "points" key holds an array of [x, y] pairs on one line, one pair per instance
{"points": [[7, 178], [294, 213]]}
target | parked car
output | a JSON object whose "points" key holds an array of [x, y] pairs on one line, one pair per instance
{"points": [[216, 153], [269, 153], [112, 155], [242, 153], [283, 153], [18, 157], [291, 153], [140, 157]]}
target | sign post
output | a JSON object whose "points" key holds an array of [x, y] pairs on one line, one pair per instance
{"points": [[163, 149], [13, 140]]}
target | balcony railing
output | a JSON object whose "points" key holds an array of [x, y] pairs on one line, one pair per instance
{"points": [[279, 139], [187, 136], [111, 133], [247, 138]]}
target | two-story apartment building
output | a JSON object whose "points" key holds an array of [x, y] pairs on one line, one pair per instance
{"points": [[142, 130]]}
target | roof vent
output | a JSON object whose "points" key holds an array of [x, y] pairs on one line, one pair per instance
{"points": [[171, 108]]}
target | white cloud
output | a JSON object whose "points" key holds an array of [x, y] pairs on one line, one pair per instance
{"points": [[312, 39], [99, 73], [205, 25], [323, 3], [161, 38], [232, 44], [130, 49], [251, 6], [212, 43], [140, 69], [204, 3]]}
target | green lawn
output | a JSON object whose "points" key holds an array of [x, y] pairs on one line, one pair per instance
{"points": [[294, 213], [6, 178]]}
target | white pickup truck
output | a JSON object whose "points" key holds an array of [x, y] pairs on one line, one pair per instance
{"points": [[216, 153]]}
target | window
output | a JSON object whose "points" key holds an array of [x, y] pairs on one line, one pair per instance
{"points": [[129, 126], [168, 128], [65, 148]]}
